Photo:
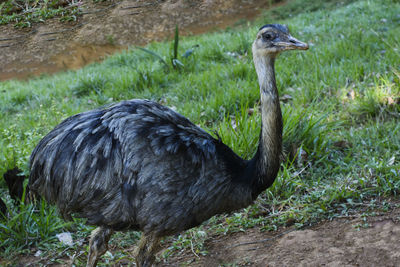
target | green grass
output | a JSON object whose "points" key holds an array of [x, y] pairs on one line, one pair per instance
{"points": [[23, 13], [341, 113]]}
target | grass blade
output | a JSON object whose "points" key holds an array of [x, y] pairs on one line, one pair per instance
{"points": [[154, 54]]}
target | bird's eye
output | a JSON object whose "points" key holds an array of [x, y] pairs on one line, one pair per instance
{"points": [[268, 36]]}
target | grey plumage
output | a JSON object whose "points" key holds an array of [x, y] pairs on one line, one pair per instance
{"points": [[138, 165], [135, 165]]}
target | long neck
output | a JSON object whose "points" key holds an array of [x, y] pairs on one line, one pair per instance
{"points": [[264, 166]]}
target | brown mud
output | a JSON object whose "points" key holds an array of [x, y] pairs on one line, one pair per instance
{"points": [[108, 27], [354, 241]]}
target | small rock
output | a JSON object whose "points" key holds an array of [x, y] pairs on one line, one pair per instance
{"points": [[38, 253], [65, 238]]}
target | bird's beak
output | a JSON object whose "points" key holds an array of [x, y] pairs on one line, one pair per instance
{"points": [[292, 43]]}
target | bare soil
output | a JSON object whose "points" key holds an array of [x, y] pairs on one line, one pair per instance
{"points": [[357, 241], [351, 241], [107, 27]]}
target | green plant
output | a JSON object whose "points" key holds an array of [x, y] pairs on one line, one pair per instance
{"points": [[174, 57], [30, 226], [308, 132], [23, 13], [90, 84], [175, 62]]}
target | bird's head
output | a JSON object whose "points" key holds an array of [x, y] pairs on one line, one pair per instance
{"points": [[274, 38]]}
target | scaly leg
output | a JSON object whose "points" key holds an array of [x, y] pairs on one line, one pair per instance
{"points": [[149, 245], [98, 244]]}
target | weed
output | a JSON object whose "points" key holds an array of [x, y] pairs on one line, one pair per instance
{"points": [[92, 83], [110, 39], [308, 132], [29, 227], [175, 62], [23, 13], [380, 100]]}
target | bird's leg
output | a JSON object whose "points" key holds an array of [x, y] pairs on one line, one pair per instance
{"points": [[98, 244], [149, 245]]}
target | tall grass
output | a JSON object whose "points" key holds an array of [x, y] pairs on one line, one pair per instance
{"points": [[29, 227]]}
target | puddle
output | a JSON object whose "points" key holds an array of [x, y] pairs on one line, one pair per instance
{"points": [[74, 58], [79, 56]]}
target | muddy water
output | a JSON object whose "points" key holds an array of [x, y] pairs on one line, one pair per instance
{"points": [[75, 57], [54, 47]]}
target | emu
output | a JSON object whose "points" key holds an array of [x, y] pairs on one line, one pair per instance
{"points": [[138, 165]]}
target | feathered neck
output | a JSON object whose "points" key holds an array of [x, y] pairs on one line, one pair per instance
{"points": [[263, 168]]}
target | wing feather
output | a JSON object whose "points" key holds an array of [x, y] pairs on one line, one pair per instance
{"points": [[115, 165]]}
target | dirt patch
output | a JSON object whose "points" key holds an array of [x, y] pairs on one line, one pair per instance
{"points": [[372, 241], [356, 241], [107, 27], [343, 242]]}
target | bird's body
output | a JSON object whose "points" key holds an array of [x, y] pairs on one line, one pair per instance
{"points": [[138, 165], [141, 166]]}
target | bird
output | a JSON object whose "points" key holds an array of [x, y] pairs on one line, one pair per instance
{"points": [[138, 165], [15, 183], [15, 180]]}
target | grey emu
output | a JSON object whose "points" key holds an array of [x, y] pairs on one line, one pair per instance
{"points": [[138, 165]]}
